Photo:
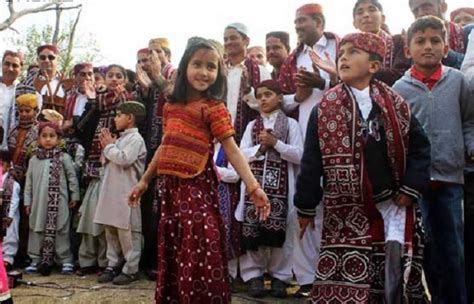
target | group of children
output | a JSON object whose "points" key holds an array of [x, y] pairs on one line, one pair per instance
{"points": [[384, 162]]}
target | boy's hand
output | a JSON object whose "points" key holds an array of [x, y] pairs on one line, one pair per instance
{"points": [[27, 210], [304, 222], [72, 204], [267, 139], [106, 137], [404, 200]]}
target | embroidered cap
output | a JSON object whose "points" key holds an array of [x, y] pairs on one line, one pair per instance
{"points": [[78, 67], [28, 100], [468, 10], [369, 42], [163, 42], [310, 8], [50, 47]]}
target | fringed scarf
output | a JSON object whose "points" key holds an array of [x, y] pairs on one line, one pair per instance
{"points": [[55, 165], [19, 139], [351, 263], [107, 104], [71, 100], [6, 192], [272, 174], [250, 76]]}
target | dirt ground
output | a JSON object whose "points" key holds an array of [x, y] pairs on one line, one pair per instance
{"points": [[73, 289]]}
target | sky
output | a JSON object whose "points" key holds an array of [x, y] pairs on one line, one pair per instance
{"points": [[123, 27]]}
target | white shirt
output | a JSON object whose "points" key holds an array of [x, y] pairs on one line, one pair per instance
{"points": [[303, 60], [291, 152], [363, 100], [468, 63], [233, 88], [226, 174], [45, 91], [7, 110], [80, 105]]}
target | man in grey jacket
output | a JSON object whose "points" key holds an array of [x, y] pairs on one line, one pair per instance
{"points": [[441, 99]]}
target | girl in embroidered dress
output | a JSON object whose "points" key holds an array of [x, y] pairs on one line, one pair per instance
{"points": [[51, 189], [192, 259], [99, 113]]}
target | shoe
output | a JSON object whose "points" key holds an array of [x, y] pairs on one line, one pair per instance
{"points": [[107, 276], [33, 268], [304, 291], [82, 271], [125, 279], [45, 269], [151, 275], [256, 288], [278, 289], [68, 269]]}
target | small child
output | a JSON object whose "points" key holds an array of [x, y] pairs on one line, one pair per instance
{"points": [[192, 256], [273, 146], [10, 208], [51, 189], [373, 156], [441, 99], [124, 165], [23, 135]]}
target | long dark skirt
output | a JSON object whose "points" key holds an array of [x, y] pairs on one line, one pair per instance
{"points": [[192, 261]]}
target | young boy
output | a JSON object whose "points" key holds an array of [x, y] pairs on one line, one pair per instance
{"points": [[51, 189], [273, 146], [124, 165], [374, 158], [10, 212], [441, 99]]}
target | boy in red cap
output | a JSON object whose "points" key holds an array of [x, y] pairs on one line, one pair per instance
{"points": [[373, 157]]}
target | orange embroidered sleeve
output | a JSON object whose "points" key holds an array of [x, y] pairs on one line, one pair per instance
{"points": [[220, 121]]}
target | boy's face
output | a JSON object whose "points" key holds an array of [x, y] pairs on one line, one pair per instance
{"points": [[122, 120], [26, 113], [354, 66], [268, 100], [368, 18], [48, 138], [427, 48]]}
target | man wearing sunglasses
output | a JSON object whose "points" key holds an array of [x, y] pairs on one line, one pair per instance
{"points": [[48, 82], [11, 69]]}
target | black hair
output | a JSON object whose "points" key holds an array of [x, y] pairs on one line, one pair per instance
{"points": [[217, 91], [283, 36], [118, 66], [5, 156], [375, 3], [424, 23]]}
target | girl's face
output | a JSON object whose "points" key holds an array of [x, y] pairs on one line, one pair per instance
{"points": [[114, 78], [48, 138], [26, 113], [202, 72]]}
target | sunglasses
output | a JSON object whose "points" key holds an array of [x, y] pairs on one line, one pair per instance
{"points": [[49, 57]]}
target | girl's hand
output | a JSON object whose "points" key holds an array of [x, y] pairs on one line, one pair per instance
{"points": [[262, 204], [119, 90], [72, 204], [27, 210], [136, 193]]}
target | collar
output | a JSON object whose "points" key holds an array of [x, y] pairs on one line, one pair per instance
{"points": [[433, 78], [12, 85], [271, 116], [322, 42], [129, 131], [362, 94]]}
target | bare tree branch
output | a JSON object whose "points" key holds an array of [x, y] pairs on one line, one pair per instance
{"points": [[14, 15], [71, 41], [57, 26], [14, 29]]}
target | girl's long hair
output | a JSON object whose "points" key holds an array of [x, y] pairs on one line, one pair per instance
{"points": [[217, 91]]}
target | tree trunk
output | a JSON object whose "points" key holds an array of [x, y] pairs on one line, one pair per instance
{"points": [[57, 26], [70, 46]]}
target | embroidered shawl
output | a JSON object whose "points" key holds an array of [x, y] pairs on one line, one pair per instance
{"points": [[19, 140], [272, 174], [351, 264]]}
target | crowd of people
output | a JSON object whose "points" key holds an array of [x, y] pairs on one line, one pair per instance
{"points": [[346, 164]]}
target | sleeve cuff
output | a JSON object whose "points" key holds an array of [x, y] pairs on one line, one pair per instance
{"points": [[279, 146], [410, 192]]}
